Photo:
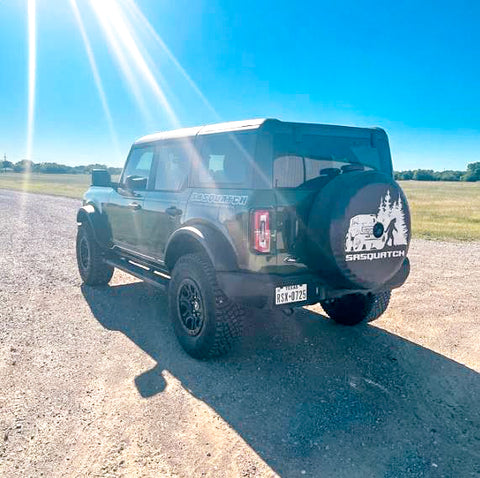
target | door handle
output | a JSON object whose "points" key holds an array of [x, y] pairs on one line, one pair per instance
{"points": [[135, 206], [173, 211]]}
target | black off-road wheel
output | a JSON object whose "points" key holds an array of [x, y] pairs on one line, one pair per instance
{"points": [[355, 308], [91, 265], [206, 322]]}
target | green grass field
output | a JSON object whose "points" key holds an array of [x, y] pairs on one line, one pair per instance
{"points": [[440, 210], [69, 185], [444, 210]]}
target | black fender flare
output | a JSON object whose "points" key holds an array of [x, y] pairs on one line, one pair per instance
{"points": [[97, 222], [201, 238]]}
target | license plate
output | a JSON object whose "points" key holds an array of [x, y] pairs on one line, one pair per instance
{"points": [[290, 293]]}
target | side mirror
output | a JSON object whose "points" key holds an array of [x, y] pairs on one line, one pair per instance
{"points": [[136, 183], [101, 178]]}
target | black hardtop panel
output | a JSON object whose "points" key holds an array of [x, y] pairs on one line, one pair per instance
{"points": [[276, 126]]}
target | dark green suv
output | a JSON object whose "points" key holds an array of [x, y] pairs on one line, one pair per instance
{"points": [[259, 213]]}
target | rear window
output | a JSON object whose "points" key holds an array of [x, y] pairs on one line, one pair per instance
{"points": [[226, 159], [297, 164]]}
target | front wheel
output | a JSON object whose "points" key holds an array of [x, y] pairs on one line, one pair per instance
{"points": [[91, 265], [355, 308], [205, 321]]}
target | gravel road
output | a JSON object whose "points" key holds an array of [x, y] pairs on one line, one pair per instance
{"points": [[93, 382]]}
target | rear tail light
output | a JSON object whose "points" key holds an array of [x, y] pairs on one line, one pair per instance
{"points": [[261, 230]]}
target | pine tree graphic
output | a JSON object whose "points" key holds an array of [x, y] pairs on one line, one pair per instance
{"points": [[393, 211], [381, 211], [402, 232], [388, 204]]}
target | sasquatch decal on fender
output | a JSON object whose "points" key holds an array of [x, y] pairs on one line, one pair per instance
{"points": [[219, 199], [375, 232]]}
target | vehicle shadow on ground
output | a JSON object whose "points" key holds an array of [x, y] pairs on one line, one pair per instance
{"points": [[308, 394]]}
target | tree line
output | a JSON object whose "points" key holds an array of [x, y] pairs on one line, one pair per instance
{"points": [[471, 174], [53, 168]]}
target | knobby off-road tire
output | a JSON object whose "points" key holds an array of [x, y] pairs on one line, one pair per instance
{"points": [[205, 321], [93, 269], [355, 308]]}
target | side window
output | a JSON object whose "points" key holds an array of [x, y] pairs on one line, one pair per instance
{"points": [[173, 165], [139, 163], [226, 159]]}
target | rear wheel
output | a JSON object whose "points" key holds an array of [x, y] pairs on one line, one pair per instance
{"points": [[205, 321], [355, 308], [91, 265]]}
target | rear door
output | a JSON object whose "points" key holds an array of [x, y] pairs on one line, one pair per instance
{"points": [[165, 202], [292, 206], [125, 208]]}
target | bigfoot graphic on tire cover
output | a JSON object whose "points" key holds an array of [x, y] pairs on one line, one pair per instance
{"points": [[369, 232]]}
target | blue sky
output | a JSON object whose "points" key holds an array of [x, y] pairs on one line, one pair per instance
{"points": [[410, 67]]}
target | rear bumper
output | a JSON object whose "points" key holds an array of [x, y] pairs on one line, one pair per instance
{"points": [[258, 290]]}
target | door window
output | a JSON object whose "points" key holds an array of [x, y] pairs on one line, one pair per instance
{"points": [[139, 163], [173, 166]]}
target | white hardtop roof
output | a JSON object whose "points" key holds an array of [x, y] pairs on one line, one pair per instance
{"points": [[208, 129]]}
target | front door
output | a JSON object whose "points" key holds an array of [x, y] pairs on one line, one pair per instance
{"points": [[165, 202], [125, 209]]}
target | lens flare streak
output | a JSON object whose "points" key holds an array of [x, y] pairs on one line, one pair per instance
{"points": [[119, 31], [32, 67], [125, 69], [32, 74], [145, 24], [96, 75]]}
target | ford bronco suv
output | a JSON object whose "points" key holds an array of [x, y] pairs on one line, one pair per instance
{"points": [[259, 213]]}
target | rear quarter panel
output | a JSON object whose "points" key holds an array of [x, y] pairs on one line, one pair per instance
{"points": [[228, 210]]}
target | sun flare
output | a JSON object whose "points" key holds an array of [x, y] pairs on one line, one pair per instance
{"points": [[130, 53]]}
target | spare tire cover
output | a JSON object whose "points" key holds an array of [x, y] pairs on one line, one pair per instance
{"points": [[358, 230]]}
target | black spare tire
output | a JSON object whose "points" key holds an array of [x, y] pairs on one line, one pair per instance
{"points": [[358, 230]]}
